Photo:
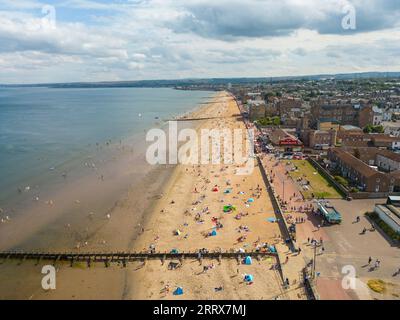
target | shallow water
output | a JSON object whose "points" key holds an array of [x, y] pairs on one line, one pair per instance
{"points": [[76, 152], [46, 132]]}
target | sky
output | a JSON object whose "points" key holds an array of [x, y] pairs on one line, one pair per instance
{"points": [[43, 41]]}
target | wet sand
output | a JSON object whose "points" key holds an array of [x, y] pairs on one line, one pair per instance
{"points": [[169, 201]]}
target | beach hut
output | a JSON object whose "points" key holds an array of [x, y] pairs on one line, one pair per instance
{"points": [[248, 278], [178, 291], [248, 261]]}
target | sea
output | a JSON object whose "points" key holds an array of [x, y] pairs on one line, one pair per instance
{"points": [[48, 135]]}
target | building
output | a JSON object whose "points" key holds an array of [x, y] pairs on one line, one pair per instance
{"points": [[387, 161], [342, 111], [319, 139], [384, 141], [370, 115], [365, 177], [288, 105], [257, 109], [284, 141], [390, 213], [328, 124]]}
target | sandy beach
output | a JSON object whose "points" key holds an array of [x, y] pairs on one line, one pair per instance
{"points": [[179, 206]]}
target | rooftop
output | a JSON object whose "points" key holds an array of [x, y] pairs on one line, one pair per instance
{"points": [[391, 211]]}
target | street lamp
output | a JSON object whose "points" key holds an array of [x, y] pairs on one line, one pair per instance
{"points": [[315, 258]]}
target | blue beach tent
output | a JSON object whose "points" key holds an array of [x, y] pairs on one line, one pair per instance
{"points": [[248, 278], [272, 249], [213, 233], [178, 291], [248, 260]]}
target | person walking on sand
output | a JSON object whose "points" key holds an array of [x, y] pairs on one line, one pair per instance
{"points": [[369, 260]]}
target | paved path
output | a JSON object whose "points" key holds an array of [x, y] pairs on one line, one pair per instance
{"points": [[343, 244]]}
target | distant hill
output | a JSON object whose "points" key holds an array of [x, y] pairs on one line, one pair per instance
{"points": [[208, 82]]}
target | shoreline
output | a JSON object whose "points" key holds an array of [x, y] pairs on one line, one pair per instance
{"points": [[39, 225], [159, 219]]}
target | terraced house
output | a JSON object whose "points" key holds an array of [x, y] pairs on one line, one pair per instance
{"points": [[364, 176]]}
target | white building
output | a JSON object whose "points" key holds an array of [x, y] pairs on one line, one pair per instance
{"points": [[377, 116], [390, 215]]}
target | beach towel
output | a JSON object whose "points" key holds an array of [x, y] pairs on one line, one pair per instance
{"points": [[229, 208]]}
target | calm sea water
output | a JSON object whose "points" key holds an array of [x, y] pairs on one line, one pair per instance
{"points": [[42, 129]]}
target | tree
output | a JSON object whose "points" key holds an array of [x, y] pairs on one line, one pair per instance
{"points": [[368, 128]]}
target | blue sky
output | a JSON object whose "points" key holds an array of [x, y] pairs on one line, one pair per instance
{"points": [[88, 40]]}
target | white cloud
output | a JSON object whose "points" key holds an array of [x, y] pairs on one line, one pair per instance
{"points": [[148, 39]]}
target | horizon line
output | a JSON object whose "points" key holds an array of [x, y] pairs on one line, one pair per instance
{"points": [[200, 78]]}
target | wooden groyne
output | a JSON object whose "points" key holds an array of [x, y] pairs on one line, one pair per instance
{"points": [[124, 257]]}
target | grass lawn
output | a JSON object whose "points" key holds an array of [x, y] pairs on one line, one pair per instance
{"points": [[319, 186]]}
